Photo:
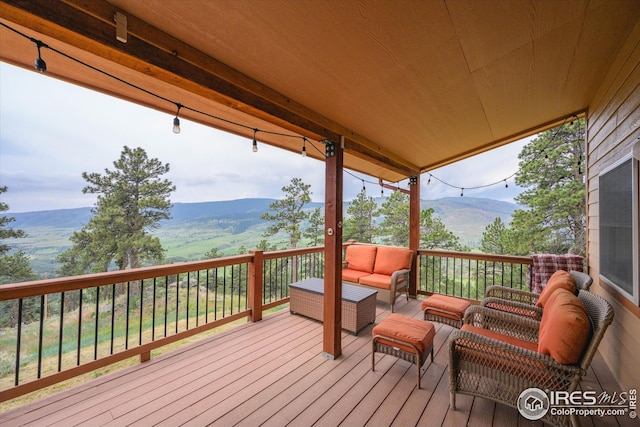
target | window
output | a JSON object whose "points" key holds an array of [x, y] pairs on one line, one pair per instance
{"points": [[619, 227]]}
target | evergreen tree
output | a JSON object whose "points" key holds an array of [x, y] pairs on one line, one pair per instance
{"points": [[14, 267], [434, 234], [359, 224], [552, 171], [288, 213], [394, 228], [315, 230], [132, 200], [495, 238]]}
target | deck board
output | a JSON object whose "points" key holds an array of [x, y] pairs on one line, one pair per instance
{"points": [[272, 373]]}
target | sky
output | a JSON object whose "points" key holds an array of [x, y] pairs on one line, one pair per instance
{"points": [[51, 132]]}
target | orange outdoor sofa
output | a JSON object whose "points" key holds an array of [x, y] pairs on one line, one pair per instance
{"points": [[383, 268]]}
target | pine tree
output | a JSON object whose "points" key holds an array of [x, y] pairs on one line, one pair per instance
{"points": [[315, 231], [288, 213], [552, 171], [132, 200], [434, 234], [394, 228], [359, 224]]}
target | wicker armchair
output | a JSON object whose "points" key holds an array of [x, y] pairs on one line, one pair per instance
{"points": [[500, 371], [522, 302]]}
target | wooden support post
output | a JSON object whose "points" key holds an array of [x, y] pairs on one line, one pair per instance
{"points": [[255, 285], [145, 356], [414, 231], [332, 345]]}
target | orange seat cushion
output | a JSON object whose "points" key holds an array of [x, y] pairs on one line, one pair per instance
{"points": [[558, 280], [354, 276], [501, 337], [390, 260], [380, 281], [565, 328], [361, 257], [418, 332], [447, 304]]}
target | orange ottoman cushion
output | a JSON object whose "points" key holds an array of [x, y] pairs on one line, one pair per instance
{"points": [[448, 304], [420, 333]]}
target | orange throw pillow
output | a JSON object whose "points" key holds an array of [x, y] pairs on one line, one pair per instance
{"points": [[390, 260], [361, 257], [559, 279], [565, 328]]}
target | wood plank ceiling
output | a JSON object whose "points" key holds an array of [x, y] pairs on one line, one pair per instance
{"points": [[412, 85]]}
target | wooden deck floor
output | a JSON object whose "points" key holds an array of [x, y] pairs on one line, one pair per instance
{"points": [[272, 373]]}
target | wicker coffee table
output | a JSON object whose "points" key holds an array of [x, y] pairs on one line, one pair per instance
{"points": [[358, 304]]}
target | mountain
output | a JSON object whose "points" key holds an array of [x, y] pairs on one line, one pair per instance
{"points": [[196, 228]]}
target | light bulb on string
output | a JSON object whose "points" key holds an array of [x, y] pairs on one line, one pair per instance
{"points": [[429, 180], [40, 64], [304, 147], [254, 146], [364, 189], [506, 185], [461, 192], [176, 121]]}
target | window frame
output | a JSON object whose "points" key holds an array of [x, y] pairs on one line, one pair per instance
{"points": [[634, 296]]}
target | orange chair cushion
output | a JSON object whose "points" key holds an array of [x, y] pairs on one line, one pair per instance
{"points": [[501, 337], [361, 257], [559, 279], [380, 281], [565, 328], [418, 332], [447, 304], [390, 260], [354, 276]]}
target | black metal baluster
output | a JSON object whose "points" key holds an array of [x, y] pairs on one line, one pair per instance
{"points": [[113, 314], [188, 294], [177, 299], [126, 332], [41, 331], [141, 311], [79, 327], [61, 332], [215, 294], [153, 313], [233, 269], [18, 340]]}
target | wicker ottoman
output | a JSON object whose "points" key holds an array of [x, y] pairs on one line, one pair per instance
{"points": [[358, 303], [403, 337], [445, 309]]}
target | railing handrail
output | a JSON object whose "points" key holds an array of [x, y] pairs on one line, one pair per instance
{"points": [[71, 283], [477, 256]]}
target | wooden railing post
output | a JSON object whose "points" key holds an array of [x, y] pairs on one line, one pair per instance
{"points": [[254, 286], [414, 231]]}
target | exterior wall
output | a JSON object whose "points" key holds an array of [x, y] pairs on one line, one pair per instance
{"points": [[613, 127]]}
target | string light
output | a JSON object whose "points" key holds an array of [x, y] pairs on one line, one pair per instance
{"points": [[40, 64], [304, 147], [429, 180], [255, 143], [176, 121], [506, 185], [462, 193]]}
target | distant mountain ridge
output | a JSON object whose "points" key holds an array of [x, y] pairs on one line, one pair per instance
{"points": [[450, 209], [196, 228]]}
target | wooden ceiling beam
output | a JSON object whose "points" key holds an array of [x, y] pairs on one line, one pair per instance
{"points": [[89, 25]]}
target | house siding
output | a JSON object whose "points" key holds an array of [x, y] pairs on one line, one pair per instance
{"points": [[613, 127]]}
